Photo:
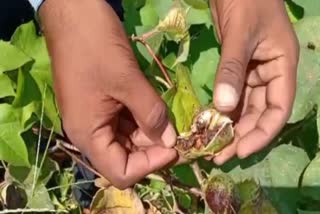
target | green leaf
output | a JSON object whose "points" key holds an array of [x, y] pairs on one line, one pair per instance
{"points": [[40, 199], [6, 87], [162, 7], [27, 88], [185, 174], [277, 171], [25, 175], [37, 193], [185, 102], [12, 147], [157, 185], [203, 73], [131, 15], [310, 181], [11, 57], [149, 16], [169, 60], [307, 212], [183, 198], [169, 95], [204, 58], [27, 40], [295, 12], [197, 4], [304, 135], [311, 7], [308, 84], [196, 17], [183, 51], [154, 42]]}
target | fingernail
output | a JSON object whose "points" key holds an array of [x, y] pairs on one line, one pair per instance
{"points": [[226, 96], [169, 136]]}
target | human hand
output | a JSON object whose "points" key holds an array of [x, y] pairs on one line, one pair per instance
{"points": [[109, 110], [256, 76]]}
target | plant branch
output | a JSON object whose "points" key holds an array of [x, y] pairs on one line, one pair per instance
{"points": [[165, 83], [78, 160], [33, 211], [146, 35], [155, 58], [197, 172], [176, 183]]}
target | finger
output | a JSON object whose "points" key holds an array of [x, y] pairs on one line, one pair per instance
{"points": [[146, 106], [134, 133], [125, 142], [256, 104], [253, 106], [124, 169], [215, 17], [279, 101], [138, 138], [236, 52], [130, 87], [150, 113], [227, 153]]}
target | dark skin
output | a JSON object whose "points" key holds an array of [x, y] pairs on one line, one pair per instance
{"points": [[256, 78], [115, 117]]}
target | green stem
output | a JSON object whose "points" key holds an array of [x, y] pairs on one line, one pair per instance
{"points": [[197, 172], [155, 58]]}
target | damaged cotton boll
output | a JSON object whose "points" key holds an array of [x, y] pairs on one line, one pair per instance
{"points": [[221, 194], [209, 133]]}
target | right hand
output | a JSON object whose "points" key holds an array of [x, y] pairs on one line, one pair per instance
{"points": [[109, 110]]}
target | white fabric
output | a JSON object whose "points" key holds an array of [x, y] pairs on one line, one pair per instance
{"points": [[36, 4]]}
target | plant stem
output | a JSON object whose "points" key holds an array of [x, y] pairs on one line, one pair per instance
{"points": [[72, 184], [40, 210], [165, 83], [155, 58], [74, 157], [176, 183], [197, 172], [146, 35], [4, 165]]}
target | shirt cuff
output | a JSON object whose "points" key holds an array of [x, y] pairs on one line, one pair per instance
{"points": [[36, 4]]}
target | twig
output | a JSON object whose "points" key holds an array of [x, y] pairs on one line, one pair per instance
{"points": [[33, 211], [146, 35], [4, 165], [71, 184], [78, 160], [176, 183], [197, 192], [165, 83], [197, 172], [175, 207], [38, 143], [156, 59], [166, 200]]}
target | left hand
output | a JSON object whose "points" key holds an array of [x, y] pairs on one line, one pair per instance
{"points": [[256, 76]]}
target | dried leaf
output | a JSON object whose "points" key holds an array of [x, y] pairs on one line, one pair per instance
{"points": [[114, 201]]}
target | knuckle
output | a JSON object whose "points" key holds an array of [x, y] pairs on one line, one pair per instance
{"points": [[121, 182], [157, 118], [233, 69]]}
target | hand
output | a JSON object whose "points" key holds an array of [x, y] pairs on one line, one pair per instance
{"points": [[256, 76], [109, 110]]}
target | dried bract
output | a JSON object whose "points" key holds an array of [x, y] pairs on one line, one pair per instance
{"points": [[208, 135]]}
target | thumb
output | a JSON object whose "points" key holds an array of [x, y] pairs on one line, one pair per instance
{"points": [[148, 109], [231, 72]]}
